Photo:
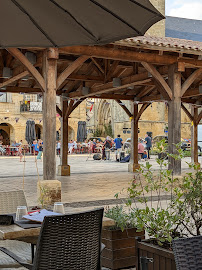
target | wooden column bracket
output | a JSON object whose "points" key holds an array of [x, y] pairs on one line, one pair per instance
{"points": [[76, 104], [58, 110], [197, 121], [142, 109], [69, 107], [32, 70], [187, 112], [71, 68], [190, 80], [124, 107], [163, 86]]}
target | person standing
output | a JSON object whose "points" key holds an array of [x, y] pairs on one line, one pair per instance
{"points": [[35, 148], [148, 144], [107, 146], [40, 148], [118, 145], [58, 146]]}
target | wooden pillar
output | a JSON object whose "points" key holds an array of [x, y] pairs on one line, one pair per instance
{"points": [[174, 118], [49, 114], [64, 168], [195, 142], [133, 166]]}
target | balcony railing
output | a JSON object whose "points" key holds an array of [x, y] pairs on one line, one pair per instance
{"points": [[30, 106]]}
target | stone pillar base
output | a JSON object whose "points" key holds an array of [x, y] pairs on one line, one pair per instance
{"points": [[48, 192], [63, 170], [133, 167]]}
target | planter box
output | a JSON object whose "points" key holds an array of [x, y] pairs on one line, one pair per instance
{"points": [[120, 250], [163, 259]]}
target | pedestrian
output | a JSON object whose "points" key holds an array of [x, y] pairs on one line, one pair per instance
{"points": [[70, 146], [58, 146], [35, 148], [148, 141], [20, 152], [40, 150], [118, 145], [107, 146], [94, 145], [141, 148]]}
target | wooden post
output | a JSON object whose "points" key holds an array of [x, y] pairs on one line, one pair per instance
{"points": [[133, 166], [49, 114], [195, 143], [64, 168], [174, 118]]}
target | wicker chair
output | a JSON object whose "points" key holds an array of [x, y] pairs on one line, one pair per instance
{"points": [[188, 253], [71, 242], [8, 205]]}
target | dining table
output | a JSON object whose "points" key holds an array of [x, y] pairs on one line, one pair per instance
{"points": [[30, 235]]}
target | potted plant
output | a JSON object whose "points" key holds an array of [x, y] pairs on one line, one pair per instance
{"points": [[166, 207], [120, 250]]}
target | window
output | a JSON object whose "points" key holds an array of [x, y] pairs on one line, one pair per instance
{"points": [[5, 97]]}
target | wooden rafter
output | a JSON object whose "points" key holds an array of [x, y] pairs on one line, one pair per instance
{"points": [[187, 112], [163, 86], [70, 69], [111, 70], [124, 108], [23, 59], [190, 80], [98, 65]]}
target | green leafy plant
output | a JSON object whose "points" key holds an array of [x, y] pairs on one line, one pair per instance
{"points": [[108, 130], [166, 207], [44, 197], [97, 132]]}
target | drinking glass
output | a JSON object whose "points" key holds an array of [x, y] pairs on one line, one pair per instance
{"points": [[59, 208], [21, 211]]}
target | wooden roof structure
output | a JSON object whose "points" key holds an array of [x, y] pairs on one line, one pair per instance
{"points": [[141, 64], [143, 69]]}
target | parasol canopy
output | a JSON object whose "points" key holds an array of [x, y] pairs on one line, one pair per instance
{"points": [[30, 133], [81, 132], [60, 23]]}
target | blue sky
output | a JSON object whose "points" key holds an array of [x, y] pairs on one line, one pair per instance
{"points": [[191, 9]]}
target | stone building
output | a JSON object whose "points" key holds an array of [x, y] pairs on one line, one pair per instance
{"points": [[155, 117], [16, 109]]}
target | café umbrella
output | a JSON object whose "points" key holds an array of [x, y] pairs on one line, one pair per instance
{"points": [[60, 23], [30, 133]]}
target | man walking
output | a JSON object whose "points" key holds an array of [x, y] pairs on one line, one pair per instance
{"points": [[148, 144], [118, 145]]}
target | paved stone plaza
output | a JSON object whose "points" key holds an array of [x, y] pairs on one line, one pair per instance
{"points": [[90, 180]]}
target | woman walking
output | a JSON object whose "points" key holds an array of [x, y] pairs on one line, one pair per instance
{"points": [[40, 148]]}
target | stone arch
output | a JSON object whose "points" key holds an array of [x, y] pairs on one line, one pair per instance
{"points": [[7, 133], [104, 114], [39, 131]]}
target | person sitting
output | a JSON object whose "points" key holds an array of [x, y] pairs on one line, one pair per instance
{"points": [[141, 149], [70, 146], [94, 145]]}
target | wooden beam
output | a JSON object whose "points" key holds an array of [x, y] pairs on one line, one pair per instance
{"points": [[124, 108], [127, 55], [195, 136], [98, 65], [15, 89], [108, 87], [163, 86], [87, 78], [111, 70], [70, 69], [14, 78], [115, 96], [32, 70], [142, 109], [145, 91], [187, 112], [58, 110], [190, 80], [192, 93]]}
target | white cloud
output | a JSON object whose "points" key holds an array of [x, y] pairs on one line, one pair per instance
{"points": [[187, 10]]}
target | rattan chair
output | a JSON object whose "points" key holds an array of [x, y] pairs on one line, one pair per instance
{"points": [[68, 242], [10, 200], [188, 253], [8, 205]]}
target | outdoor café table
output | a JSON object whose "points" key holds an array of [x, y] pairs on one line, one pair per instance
{"points": [[14, 232]]}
